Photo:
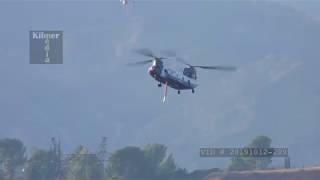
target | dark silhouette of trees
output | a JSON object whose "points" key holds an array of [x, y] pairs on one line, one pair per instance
{"points": [[82, 165], [150, 162], [249, 163], [127, 162], [12, 156], [134, 163], [42, 165]]}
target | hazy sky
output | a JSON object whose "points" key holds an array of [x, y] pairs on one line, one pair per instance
{"points": [[92, 94]]}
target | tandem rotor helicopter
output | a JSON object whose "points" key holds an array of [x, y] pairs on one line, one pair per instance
{"points": [[183, 79]]}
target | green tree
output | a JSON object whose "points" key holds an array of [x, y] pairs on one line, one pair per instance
{"points": [[167, 166], [261, 142], [150, 163], [154, 154], [159, 163], [241, 164], [12, 156], [84, 166], [248, 163], [42, 165], [128, 162]]}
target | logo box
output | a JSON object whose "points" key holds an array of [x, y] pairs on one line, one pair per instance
{"points": [[46, 47]]}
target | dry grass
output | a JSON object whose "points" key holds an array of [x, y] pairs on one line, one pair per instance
{"points": [[310, 173]]}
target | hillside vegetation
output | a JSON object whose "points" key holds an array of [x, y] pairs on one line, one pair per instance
{"points": [[310, 173]]}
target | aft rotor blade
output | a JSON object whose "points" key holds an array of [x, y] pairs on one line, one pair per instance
{"points": [[183, 61], [140, 63], [223, 68]]}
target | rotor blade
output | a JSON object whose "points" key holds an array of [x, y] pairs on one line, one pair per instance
{"points": [[183, 61], [169, 53], [223, 68], [140, 63], [145, 52]]}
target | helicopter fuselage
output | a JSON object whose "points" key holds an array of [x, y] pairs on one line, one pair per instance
{"points": [[174, 79]]}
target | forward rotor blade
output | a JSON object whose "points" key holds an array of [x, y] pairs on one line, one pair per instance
{"points": [[223, 68], [145, 52], [169, 53], [140, 63], [148, 53]]}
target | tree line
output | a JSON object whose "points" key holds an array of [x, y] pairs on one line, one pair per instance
{"points": [[151, 162]]}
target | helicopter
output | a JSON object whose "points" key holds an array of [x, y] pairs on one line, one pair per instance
{"points": [[124, 2], [179, 79]]}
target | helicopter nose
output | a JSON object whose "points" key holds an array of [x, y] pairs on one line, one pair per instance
{"points": [[152, 71]]}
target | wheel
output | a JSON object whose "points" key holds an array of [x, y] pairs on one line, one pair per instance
{"points": [[178, 91], [192, 90], [159, 85]]}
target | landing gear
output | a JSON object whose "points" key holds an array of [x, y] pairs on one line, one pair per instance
{"points": [[159, 85], [178, 91], [192, 90]]}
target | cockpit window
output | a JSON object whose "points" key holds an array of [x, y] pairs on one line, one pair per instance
{"points": [[189, 72]]}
